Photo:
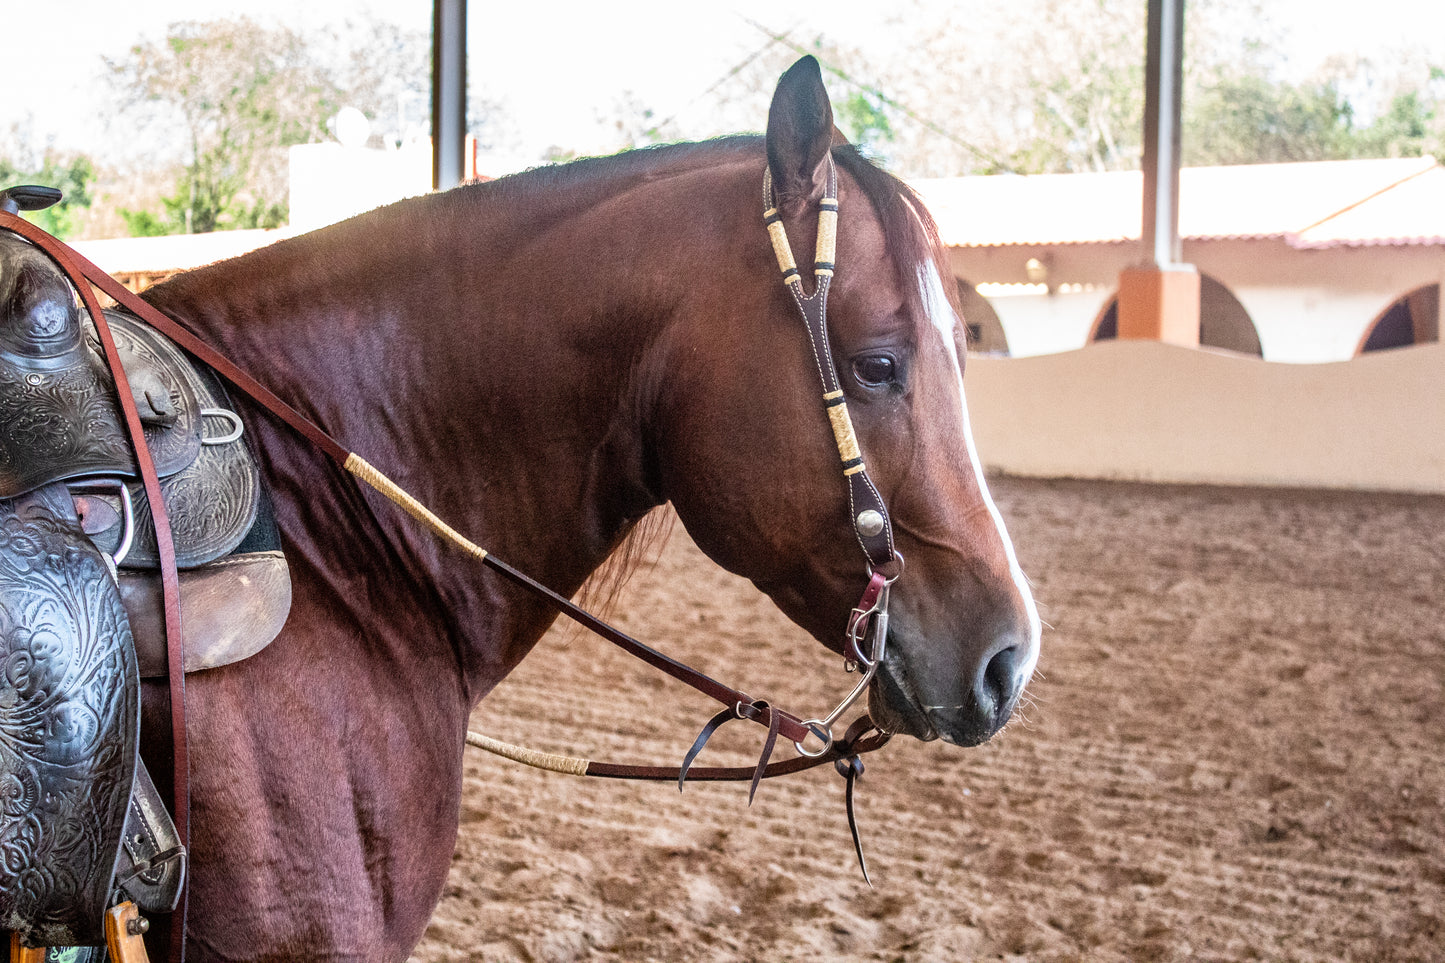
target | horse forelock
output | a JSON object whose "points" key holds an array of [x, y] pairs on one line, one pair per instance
{"points": [[909, 230]]}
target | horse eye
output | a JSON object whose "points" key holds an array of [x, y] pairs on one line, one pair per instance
{"points": [[875, 370]]}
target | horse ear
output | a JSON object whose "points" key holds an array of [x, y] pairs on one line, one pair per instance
{"points": [[800, 131]]}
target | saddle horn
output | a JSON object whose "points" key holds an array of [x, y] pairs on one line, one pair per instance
{"points": [[28, 197]]}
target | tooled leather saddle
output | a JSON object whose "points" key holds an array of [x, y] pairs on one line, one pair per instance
{"points": [[81, 825]]}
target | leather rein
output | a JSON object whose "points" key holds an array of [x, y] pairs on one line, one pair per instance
{"points": [[867, 629]]}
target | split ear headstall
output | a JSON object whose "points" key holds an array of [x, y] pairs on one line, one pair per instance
{"points": [[871, 523]]}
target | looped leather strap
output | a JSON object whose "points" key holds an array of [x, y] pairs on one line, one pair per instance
{"points": [[850, 766], [863, 736], [861, 618], [752, 710]]}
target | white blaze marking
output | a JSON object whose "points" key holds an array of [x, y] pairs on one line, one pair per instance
{"points": [[935, 302]]}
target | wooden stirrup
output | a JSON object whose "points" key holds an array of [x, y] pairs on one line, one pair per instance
{"points": [[124, 928], [25, 954]]}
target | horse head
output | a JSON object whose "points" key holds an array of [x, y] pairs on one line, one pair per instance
{"points": [[745, 452]]}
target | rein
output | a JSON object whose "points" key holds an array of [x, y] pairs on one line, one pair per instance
{"points": [[867, 625]]}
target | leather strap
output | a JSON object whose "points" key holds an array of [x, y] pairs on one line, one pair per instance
{"points": [[850, 769], [728, 715], [865, 504], [863, 736], [858, 620]]}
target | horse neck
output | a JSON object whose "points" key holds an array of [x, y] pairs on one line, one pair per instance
{"points": [[492, 352]]}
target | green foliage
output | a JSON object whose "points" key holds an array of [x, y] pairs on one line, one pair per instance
{"points": [[242, 94], [72, 176], [1405, 129], [1251, 119], [862, 116], [224, 99], [1055, 86], [147, 223]]}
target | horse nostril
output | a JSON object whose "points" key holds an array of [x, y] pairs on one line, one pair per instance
{"points": [[997, 682]]}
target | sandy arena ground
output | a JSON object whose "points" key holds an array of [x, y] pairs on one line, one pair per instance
{"points": [[1233, 752]]}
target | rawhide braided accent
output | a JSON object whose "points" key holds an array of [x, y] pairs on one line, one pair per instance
{"points": [[365, 471]]}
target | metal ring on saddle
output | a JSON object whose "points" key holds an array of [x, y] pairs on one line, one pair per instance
{"points": [[127, 511], [236, 426]]}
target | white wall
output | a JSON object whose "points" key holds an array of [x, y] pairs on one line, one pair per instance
{"points": [[1041, 324], [330, 183], [1144, 411]]}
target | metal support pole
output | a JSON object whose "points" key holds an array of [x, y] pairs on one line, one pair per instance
{"points": [[448, 92], [1159, 297], [1163, 83]]}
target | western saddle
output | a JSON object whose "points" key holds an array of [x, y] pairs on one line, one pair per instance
{"points": [[86, 843]]}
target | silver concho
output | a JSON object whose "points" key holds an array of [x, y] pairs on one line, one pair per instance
{"points": [[870, 523]]}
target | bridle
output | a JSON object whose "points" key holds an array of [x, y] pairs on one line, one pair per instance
{"points": [[867, 629], [868, 622]]}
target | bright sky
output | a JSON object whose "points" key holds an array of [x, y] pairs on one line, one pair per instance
{"points": [[557, 66]]}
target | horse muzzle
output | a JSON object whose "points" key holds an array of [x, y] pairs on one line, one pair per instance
{"points": [[963, 708]]}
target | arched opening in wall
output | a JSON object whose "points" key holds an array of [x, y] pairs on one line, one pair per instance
{"points": [[1414, 319], [1106, 325], [985, 331], [1223, 322]]}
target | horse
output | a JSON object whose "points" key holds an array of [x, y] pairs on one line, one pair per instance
{"points": [[542, 360]]}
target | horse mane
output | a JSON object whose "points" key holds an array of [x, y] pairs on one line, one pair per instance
{"points": [[641, 160], [640, 548], [909, 230]]}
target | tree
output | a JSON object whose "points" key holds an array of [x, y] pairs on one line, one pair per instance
{"points": [[1043, 86], [73, 175], [864, 116], [240, 94], [1249, 119]]}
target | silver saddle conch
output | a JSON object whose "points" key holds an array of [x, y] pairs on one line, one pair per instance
{"points": [[81, 824]]}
